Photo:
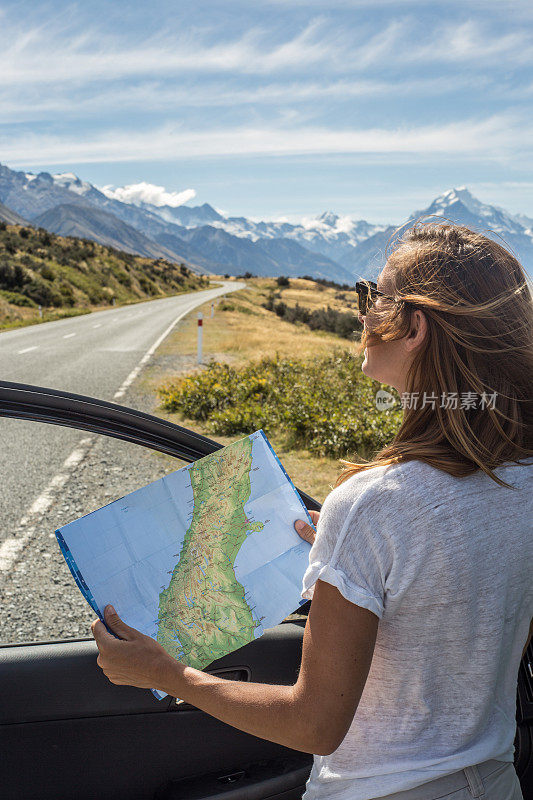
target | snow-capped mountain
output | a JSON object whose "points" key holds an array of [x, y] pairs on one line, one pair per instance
{"points": [[329, 234], [29, 194], [461, 207], [461, 203], [67, 180], [186, 216], [337, 247]]}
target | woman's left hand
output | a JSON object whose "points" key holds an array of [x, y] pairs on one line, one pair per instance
{"points": [[132, 660], [304, 530]]}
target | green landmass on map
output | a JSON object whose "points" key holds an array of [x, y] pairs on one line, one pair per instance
{"points": [[203, 612]]}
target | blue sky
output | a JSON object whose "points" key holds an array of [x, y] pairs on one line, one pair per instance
{"points": [[280, 108]]}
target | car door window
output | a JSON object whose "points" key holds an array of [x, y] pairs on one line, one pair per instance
{"points": [[39, 598]]}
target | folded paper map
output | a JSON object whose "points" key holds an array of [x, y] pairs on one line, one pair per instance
{"points": [[202, 560]]}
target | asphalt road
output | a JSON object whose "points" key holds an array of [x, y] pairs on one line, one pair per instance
{"points": [[91, 355]]}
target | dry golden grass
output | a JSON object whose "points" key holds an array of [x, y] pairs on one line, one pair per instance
{"points": [[237, 337], [307, 293]]}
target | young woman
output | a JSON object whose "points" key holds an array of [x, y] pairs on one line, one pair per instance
{"points": [[420, 572]]}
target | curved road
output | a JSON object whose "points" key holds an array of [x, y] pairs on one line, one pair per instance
{"points": [[92, 355]]}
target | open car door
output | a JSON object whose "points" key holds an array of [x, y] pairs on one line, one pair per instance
{"points": [[66, 731]]}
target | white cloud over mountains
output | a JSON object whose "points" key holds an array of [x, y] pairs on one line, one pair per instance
{"points": [[138, 193]]}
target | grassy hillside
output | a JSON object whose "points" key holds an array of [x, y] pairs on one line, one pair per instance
{"points": [[68, 276]]}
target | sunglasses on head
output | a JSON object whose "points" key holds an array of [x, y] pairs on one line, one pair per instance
{"points": [[366, 292]]}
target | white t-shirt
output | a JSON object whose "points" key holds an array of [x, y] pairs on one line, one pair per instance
{"points": [[446, 564]]}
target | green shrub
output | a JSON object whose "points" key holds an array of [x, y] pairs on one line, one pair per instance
{"points": [[43, 293], [48, 273], [148, 286], [27, 260], [12, 275], [123, 278], [225, 306], [17, 299], [325, 405], [67, 293], [97, 295]]}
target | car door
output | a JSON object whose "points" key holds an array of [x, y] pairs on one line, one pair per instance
{"points": [[65, 731]]}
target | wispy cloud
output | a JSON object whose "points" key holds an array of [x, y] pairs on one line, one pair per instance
{"points": [[157, 96], [470, 42], [41, 54], [33, 56], [493, 137]]}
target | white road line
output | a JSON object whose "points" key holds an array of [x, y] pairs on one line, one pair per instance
{"points": [[11, 548], [68, 335], [98, 326], [28, 349], [149, 353]]}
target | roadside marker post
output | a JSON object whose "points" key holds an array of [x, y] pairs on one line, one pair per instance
{"points": [[200, 328], [41, 312], [212, 309]]}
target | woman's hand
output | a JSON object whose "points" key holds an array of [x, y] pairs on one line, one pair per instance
{"points": [[132, 660], [313, 715], [304, 530]]}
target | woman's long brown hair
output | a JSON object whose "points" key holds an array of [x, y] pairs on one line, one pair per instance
{"points": [[479, 310]]}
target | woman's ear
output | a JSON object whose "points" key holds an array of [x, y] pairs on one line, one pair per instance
{"points": [[418, 331]]}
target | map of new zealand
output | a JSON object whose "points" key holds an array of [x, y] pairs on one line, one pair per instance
{"points": [[204, 559]]}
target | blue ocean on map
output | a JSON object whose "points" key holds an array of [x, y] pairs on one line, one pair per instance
{"points": [[269, 560], [127, 550]]}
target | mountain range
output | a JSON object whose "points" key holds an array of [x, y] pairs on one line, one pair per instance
{"points": [[329, 246]]}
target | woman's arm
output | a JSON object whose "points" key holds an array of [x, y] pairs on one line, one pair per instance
{"points": [[313, 715]]}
